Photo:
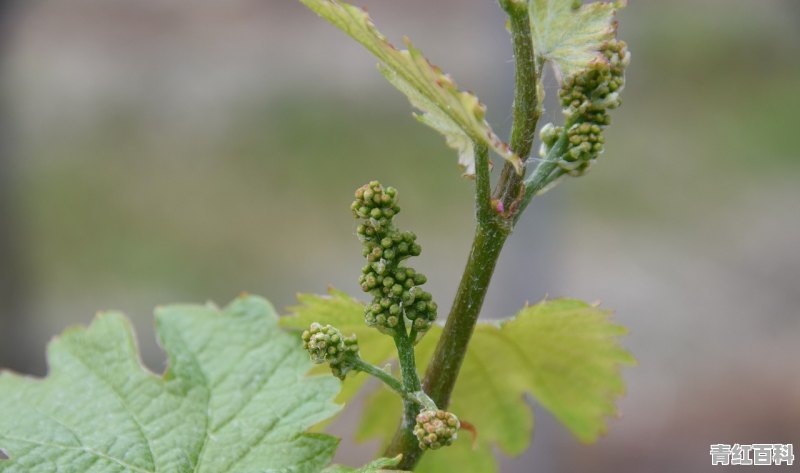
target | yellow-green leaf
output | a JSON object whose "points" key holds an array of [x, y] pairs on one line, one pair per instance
{"points": [[461, 456], [380, 465], [568, 357], [564, 352], [569, 34], [456, 114]]}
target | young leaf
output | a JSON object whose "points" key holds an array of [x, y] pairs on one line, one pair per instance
{"points": [[570, 34], [570, 360], [378, 466], [461, 456], [234, 398], [564, 352], [456, 114]]}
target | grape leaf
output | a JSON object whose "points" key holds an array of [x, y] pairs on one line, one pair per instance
{"points": [[456, 114], [567, 357], [378, 466], [570, 34], [563, 352], [234, 398]]}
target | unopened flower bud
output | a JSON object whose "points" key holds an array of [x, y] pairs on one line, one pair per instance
{"points": [[325, 344], [436, 429]]}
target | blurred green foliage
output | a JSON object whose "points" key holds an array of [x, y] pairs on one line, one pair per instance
{"points": [[132, 212], [126, 206]]}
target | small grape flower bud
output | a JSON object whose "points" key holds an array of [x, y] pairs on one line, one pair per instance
{"points": [[325, 344], [436, 429], [549, 136]]}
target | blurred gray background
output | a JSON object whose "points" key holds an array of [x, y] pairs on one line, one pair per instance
{"points": [[164, 151]]}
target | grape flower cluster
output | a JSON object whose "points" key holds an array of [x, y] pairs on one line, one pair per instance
{"points": [[400, 308], [586, 98], [436, 429], [398, 298], [326, 344]]}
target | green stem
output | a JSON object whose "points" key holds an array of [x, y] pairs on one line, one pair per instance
{"points": [[408, 363], [388, 379], [483, 202], [404, 441], [490, 234], [408, 368], [547, 171], [451, 349], [527, 108]]}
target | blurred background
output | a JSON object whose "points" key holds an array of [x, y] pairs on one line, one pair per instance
{"points": [[164, 151]]}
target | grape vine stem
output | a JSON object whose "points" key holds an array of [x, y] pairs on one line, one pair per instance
{"points": [[494, 224]]}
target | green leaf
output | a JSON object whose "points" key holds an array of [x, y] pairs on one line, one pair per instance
{"points": [[564, 352], [570, 34], [234, 398], [461, 456], [377, 466], [567, 357], [456, 114]]}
